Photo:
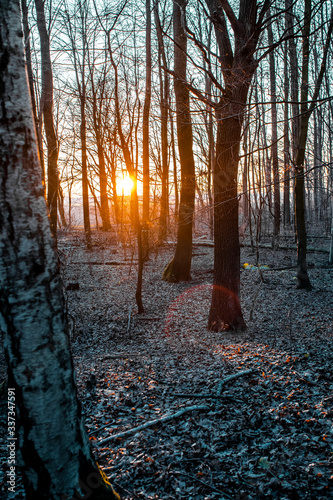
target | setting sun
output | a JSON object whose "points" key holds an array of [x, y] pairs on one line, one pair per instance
{"points": [[124, 185]]}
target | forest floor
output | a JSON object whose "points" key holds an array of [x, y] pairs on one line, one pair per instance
{"points": [[266, 433]]}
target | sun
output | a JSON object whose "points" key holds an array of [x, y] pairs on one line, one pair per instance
{"points": [[124, 185]]}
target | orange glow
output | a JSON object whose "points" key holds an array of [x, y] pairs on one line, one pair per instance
{"points": [[124, 185]]}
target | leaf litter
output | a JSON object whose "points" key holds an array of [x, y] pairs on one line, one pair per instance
{"points": [[166, 413]]}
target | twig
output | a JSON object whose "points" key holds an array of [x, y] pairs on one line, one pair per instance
{"points": [[95, 263], [146, 318], [228, 379], [124, 355], [151, 423], [232, 377], [203, 396]]}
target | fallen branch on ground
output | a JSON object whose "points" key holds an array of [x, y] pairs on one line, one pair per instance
{"points": [[95, 263], [203, 396], [151, 423], [125, 355], [232, 377]]}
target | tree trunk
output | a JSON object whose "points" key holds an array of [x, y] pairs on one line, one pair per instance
{"points": [[211, 153], [61, 206], [294, 78], [306, 110], [225, 311], [179, 268], [26, 30], [274, 146], [84, 166], [286, 145], [174, 163], [238, 67], [105, 213], [303, 280], [134, 195], [164, 106], [53, 447], [47, 107], [145, 138]]}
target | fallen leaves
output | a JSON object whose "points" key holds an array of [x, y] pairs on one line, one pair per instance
{"points": [[269, 434]]}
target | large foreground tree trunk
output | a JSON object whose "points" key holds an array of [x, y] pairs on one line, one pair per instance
{"points": [[53, 448], [180, 267]]}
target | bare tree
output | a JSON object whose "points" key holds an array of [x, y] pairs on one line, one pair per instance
{"points": [[307, 108], [80, 74], [54, 451], [145, 133], [238, 64], [274, 146], [179, 268], [27, 46], [47, 108], [164, 107]]}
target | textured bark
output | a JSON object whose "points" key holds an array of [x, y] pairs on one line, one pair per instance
{"points": [[238, 67], [53, 448], [47, 107], [180, 266], [225, 311]]}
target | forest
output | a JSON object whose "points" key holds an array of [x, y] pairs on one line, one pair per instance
{"points": [[166, 249]]}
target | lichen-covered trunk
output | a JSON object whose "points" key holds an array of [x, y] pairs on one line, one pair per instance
{"points": [[180, 267], [52, 446], [225, 311]]}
